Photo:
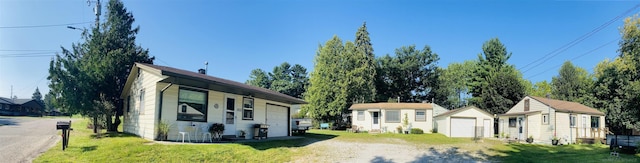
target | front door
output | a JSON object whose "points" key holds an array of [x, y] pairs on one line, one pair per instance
{"points": [[230, 116], [521, 128], [376, 121]]}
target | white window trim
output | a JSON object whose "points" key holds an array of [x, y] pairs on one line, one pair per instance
{"points": [[572, 121], [386, 120], [360, 115], [253, 105], [416, 115]]}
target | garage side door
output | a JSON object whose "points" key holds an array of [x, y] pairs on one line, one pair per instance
{"points": [[462, 127], [277, 119]]}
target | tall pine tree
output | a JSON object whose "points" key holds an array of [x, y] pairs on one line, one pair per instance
{"points": [[89, 78]]}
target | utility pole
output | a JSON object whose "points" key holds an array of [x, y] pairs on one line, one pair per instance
{"points": [[96, 10]]}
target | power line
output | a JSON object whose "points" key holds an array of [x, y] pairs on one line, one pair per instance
{"points": [[22, 50], [26, 54], [582, 55], [576, 41], [40, 26]]}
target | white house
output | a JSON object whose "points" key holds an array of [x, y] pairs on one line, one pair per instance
{"points": [[156, 93], [465, 122], [386, 117], [543, 118]]}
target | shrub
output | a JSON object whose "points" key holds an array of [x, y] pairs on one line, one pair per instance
{"points": [[416, 131], [435, 130]]}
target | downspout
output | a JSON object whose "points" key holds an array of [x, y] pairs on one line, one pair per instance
{"points": [[161, 97]]}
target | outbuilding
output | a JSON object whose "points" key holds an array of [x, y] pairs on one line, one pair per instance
{"points": [[465, 122]]}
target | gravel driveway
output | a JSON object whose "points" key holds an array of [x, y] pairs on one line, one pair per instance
{"points": [[22, 139], [399, 151]]}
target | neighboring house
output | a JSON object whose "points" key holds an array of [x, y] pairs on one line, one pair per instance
{"points": [[469, 121], [156, 93], [543, 118], [21, 107], [386, 117]]}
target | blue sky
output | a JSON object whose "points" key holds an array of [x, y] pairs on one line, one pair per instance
{"points": [[238, 36]]}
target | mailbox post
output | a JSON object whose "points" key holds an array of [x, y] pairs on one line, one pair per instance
{"points": [[66, 130]]}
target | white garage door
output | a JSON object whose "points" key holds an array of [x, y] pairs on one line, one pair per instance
{"points": [[277, 120], [462, 127]]}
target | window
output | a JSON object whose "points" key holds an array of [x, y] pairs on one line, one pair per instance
{"points": [[545, 119], [392, 116], [572, 121], [360, 115], [526, 105], [421, 115], [128, 103], [595, 122], [247, 111], [230, 111], [192, 105], [141, 102], [512, 122]]}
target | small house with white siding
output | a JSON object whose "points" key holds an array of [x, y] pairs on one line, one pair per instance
{"points": [[386, 117], [544, 118], [154, 93]]}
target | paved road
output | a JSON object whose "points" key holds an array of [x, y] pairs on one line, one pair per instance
{"points": [[22, 139]]}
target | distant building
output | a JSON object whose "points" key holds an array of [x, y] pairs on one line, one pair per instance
{"points": [[21, 107]]}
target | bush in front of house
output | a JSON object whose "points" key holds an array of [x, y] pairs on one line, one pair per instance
{"points": [[416, 131]]}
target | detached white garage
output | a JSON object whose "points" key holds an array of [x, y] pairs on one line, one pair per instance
{"points": [[278, 120], [465, 122]]}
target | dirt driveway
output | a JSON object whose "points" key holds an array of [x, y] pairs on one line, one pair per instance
{"points": [[332, 150]]}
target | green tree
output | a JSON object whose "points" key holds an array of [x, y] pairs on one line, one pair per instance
{"points": [[572, 83], [325, 97], [618, 81], [290, 80], [259, 78], [48, 102], [541, 89], [37, 96], [89, 78], [287, 79], [453, 84], [364, 67], [496, 85], [409, 75]]}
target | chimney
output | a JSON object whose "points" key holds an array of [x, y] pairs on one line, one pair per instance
{"points": [[202, 71]]}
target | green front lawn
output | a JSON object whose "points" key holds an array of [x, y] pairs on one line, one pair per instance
{"points": [[564, 153], [83, 147]]}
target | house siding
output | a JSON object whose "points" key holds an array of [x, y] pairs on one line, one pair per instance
{"points": [[140, 121], [214, 115], [444, 122], [367, 123]]}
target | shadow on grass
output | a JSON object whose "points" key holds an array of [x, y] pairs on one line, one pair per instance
{"points": [[563, 153], [451, 154], [112, 135], [88, 148], [307, 139], [8, 121]]}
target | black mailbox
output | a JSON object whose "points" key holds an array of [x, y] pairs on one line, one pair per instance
{"points": [[63, 125], [66, 128]]}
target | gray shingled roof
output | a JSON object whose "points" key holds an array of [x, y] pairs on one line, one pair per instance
{"points": [[567, 106], [4, 100], [255, 91]]}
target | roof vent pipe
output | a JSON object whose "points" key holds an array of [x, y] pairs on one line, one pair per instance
{"points": [[202, 71]]}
